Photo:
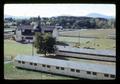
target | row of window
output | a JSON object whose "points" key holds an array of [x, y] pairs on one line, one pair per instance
{"points": [[94, 73], [107, 75], [48, 66], [62, 68], [72, 70], [21, 62]]}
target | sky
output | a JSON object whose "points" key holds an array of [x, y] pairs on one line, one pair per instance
{"points": [[49, 10]]}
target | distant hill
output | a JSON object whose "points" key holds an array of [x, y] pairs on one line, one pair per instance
{"points": [[16, 17], [7, 16], [97, 15]]}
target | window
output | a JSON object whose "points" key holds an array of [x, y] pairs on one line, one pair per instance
{"points": [[88, 72], [77, 70], [72, 70], [23, 62], [106, 75], [44, 65], [19, 61], [112, 76], [94, 73], [48, 66], [57, 67], [35, 64], [62, 68], [31, 63]]}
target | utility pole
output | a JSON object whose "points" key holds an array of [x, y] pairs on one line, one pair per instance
{"points": [[33, 44], [79, 38], [37, 29], [33, 47]]}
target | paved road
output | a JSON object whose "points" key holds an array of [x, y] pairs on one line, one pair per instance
{"points": [[6, 62]]}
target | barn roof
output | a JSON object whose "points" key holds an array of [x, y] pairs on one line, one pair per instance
{"points": [[25, 27], [87, 51], [70, 64]]}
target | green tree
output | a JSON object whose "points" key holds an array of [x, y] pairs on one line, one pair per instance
{"points": [[38, 42], [49, 43], [44, 43]]}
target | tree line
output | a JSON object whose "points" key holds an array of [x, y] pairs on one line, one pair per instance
{"points": [[83, 22], [72, 22]]}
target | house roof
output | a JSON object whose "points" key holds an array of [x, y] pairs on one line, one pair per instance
{"points": [[45, 28], [87, 51], [70, 64], [48, 28], [25, 27]]}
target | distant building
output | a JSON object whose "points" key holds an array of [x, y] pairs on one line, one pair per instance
{"points": [[55, 33], [25, 33]]}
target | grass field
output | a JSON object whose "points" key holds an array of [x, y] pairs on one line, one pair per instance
{"points": [[100, 33], [13, 48], [93, 43], [11, 72], [101, 42]]}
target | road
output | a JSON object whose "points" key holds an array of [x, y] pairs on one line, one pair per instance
{"points": [[6, 62]]}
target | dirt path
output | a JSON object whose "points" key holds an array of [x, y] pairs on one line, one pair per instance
{"points": [[6, 62]]}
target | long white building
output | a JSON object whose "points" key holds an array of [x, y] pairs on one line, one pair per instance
{"points": [[103, 55], [64, 67]]}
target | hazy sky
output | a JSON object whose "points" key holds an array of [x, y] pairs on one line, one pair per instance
{"points": [[48, 10]]}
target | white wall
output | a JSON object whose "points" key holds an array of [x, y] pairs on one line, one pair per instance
{"points": [[18, 36], [55, 33]]}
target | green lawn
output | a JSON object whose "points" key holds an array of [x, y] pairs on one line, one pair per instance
{"points": [[100, 33], [11, 72], [101, 43], [93, 43], [13, 48]]}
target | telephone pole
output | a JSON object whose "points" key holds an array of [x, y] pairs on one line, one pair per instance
{"points": [[79, 38]]}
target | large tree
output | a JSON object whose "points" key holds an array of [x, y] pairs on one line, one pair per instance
{"points": [[38, 41], [44, 43]]}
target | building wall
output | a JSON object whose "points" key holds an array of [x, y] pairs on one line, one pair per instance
{"points": [[18, 36], [55, 33]]}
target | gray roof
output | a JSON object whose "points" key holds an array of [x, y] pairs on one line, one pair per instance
{"points": [[88, 51], [70, 64], [49, 28], [8, 30], [25, 27]]}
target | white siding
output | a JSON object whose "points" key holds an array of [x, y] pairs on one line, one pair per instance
{"points": [[55, 33], [18, 35]]}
